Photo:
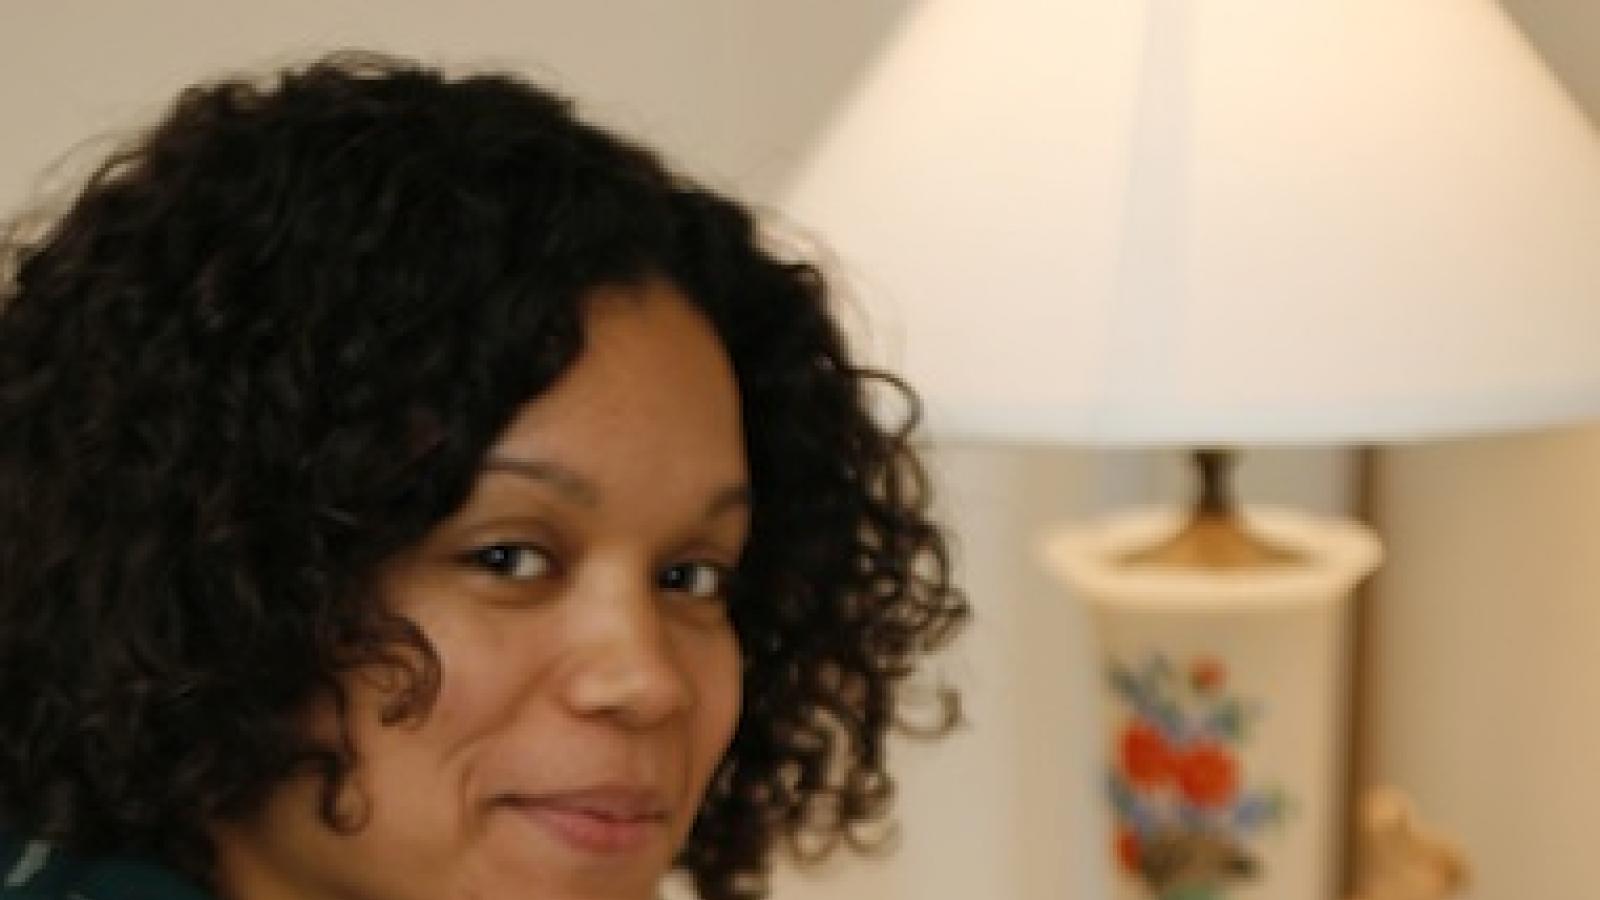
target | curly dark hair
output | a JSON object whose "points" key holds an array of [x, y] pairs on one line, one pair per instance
{"points": [[266, 349]]}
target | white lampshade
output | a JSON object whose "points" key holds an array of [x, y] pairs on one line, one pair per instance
{"points": [[1235, 221]]}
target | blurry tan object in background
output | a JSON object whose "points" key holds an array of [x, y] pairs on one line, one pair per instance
{"points": [[1398, 858]]}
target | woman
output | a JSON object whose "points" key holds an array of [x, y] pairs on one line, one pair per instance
{"points": [[409, 491]]}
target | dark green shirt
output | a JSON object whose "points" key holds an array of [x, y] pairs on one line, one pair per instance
{"points": [[34, 870]]}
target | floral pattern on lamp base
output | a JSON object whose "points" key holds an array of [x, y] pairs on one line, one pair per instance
{"points": [[1184, 810]]}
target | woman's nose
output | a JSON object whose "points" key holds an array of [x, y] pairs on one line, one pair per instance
{"points": [[626, 666]]}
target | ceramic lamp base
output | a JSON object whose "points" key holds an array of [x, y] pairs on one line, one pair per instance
{"points": [[1225, 697]]}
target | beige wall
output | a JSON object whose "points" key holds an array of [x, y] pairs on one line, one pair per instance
{"points": [[731, 88], [1485, 688]]}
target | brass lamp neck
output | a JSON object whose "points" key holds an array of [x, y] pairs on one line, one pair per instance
{"points": [[1215, 468], [1215, 537]]}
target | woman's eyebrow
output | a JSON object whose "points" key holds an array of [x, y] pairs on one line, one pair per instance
{"points": [[583, 492], [566, 482], [728, 499]]}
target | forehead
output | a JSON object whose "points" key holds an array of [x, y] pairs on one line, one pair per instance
{"points": [[651, 394]]}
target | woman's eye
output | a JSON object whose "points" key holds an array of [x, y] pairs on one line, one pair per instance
{"points": [[701, 580], [517, 562]]}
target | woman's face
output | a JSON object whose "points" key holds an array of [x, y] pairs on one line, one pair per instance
{"points": [[590, 672]]}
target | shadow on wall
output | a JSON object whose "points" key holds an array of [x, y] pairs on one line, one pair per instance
{"points": [[1567, 34]]}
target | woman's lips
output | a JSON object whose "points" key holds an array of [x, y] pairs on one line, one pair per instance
{"points": [[599, 821]]}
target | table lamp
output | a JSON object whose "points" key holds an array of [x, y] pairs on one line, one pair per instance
{"points": [[1209, 224]]}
